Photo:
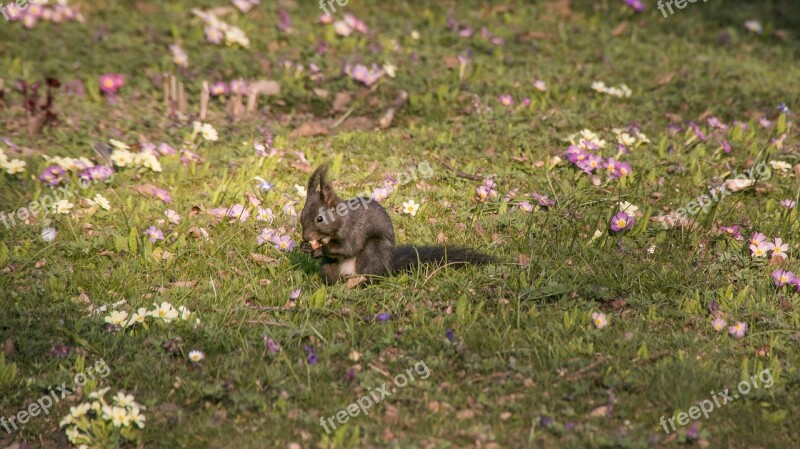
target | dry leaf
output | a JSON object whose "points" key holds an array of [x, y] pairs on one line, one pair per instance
{"points": [[600, 412], [665, 78], [451, 61], [260, 258], [341, 101], [41, 263], [355, 281], [524, 260], [310, 129], [620, 28], [465, 414]]}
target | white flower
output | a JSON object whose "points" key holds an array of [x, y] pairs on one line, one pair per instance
{"points": [[148, 160], [122, 157], [123, 400], [341, 28], [135, 417], [172, 216], [62, 207], [410, 207], [780, 166], [209, 133], [80, 410], [14, 166], [235, 35], [626, 139], [628, 208], [137, 317], [117, 318], [185, 313], [165, 311], [196, 356], [301, 190], [117, 415], [119, 145], [98, 394], [754, 26], [390, 69], [49, 234], [101, 201]]}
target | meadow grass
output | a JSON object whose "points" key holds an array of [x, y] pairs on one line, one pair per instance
{"points": [[515, 359]]}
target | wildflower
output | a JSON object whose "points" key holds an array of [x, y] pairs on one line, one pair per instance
{"points": [[758, 250], [757, 238], [381, 193], [154, 234], [97, 173], [784, 109], [101, 201], [525, 206], [600, 320], [789, 204], [117, 415], [123, 400], [540, 85], [506, 100], [117, 318], [637, 5], [161, 194], [196, 356], [734, 231], [52, 175], [137, 317], [627, 207], [165, 311], [62, 207], [301, 190], [185, 313], [410, 207], [283, 243], [622, 221], [265, 236], [14, 166], [179, 56], [172, 216], [384, 316], [778, 248], [265, 215], [122, 157], [341, 28], [272, 346], [239, 212], [312, 356], [218, 88], [135, 417], [295, 294], [543, 200], [782, 277], [264, 185], [718, 324], [110, 83], [738, 330], [49, 234]]}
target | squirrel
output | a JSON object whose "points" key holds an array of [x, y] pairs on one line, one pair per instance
{"points": [[356, 237]]}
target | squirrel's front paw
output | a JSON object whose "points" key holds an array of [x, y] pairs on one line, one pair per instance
{"points": [[312, 248]]}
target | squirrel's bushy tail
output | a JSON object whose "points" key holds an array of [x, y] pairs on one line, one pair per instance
{"points": [[408, 256]]}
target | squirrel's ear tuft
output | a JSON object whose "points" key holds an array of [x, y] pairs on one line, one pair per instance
{"points": [[317, 178]]}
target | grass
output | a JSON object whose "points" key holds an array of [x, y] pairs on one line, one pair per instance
{"points": [[509, 347]]}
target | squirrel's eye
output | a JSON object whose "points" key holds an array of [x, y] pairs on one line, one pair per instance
{"points": [[319, 218]]}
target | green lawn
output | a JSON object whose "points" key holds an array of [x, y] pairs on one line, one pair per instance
{"points": [[502, 356]]}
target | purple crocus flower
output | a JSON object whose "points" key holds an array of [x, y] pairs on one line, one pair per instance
{"points": [[154, 234], [384, 316], [545, 421], [52, 175], [638, 5], [295, 294], [622, 221], [450, 334]]}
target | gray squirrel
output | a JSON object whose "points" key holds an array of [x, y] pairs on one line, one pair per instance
{"points": [[356, 237]]}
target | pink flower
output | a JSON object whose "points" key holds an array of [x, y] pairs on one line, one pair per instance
{"points": [[782, 277], [154, 233], [218, 88], [738, 330], [718, 324], [525, 206], [757, 238], [110, 83], [778, 248], [506, 100], [622, 221]]}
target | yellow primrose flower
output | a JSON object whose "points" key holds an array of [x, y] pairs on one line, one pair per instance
{"points": [[15, 166], [117, 415], [62, 207], [165, 312], [135, 416], [117, 317], [124, 400], [122, 158], [410, 208], [119, 145], [101, 201]]}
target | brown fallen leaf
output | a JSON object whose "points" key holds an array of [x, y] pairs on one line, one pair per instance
{"points": [[665, 78], [355, 281], [341, 101], [465, 414], [182, 284], [310, 129], [260, 258], [451, 61], [620, 28], [524, 260], [600, 412], [41, 263]]}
